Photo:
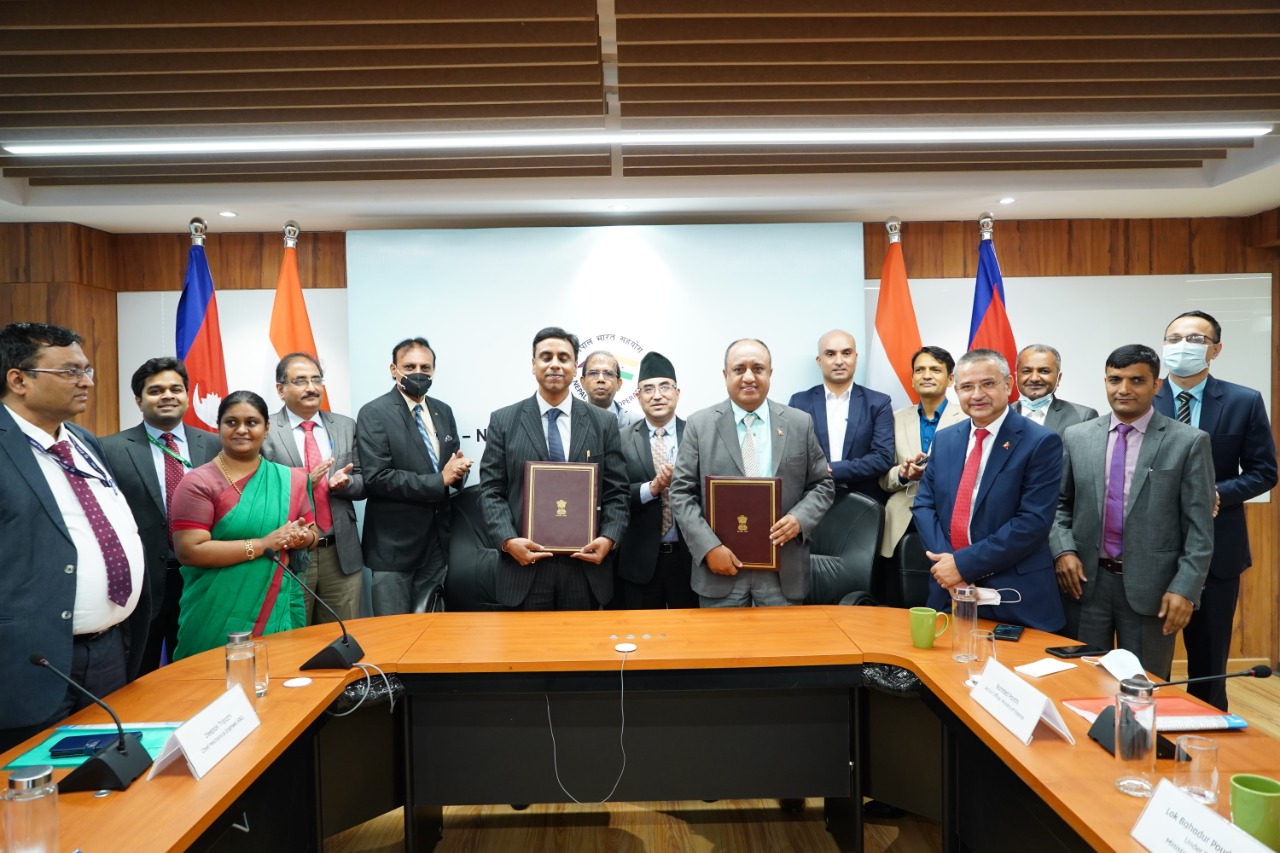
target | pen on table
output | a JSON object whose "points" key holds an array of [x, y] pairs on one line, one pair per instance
{"points": [[588, 455]]}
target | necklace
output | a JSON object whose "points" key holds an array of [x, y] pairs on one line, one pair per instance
{"points": [[223, 466]]}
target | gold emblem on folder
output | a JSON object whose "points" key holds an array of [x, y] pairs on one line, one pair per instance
{"points": [[742, 524], [561, 508]]}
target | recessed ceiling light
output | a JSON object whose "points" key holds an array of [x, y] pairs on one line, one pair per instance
{"points": [[499, 141], [619, 207], [1007, 200], [230, 214]]}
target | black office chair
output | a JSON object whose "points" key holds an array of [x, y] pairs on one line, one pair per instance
{"points": [[843, 548], [473, 560], [913, 572]]}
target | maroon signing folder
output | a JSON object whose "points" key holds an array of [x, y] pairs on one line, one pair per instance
{"points": [[741, 511], [559, 506]]}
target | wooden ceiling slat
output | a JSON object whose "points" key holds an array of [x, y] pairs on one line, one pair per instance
{"points": [[1196, 148], [293, 81], [1256, 46], [252, 61], [158, 13], [823, 170], [423, 174], [995, 71], [911, 157], [1262, 108], [929, 28], [682, 8]]}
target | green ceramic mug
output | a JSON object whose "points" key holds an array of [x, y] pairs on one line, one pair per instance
{"points": [[924, 626], [1255, 807]]}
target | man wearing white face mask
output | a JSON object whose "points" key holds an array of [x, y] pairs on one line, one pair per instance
{"points": [[1039, 373], [1244, 461]]}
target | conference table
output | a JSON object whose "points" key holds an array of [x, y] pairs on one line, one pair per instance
{"points": [[719, 704]]}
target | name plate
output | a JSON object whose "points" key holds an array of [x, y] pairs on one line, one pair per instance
{"points": [[210, 735], [1016, 704], [1173, 820]]}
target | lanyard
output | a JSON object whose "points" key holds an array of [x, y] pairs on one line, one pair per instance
{"points": [[100, 476], [164, 449]]}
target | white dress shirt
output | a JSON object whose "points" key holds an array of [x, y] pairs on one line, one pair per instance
{"points": [[837, 421]]}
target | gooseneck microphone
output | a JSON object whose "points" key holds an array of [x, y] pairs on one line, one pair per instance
{"points": [[116, 765], [1259, 671], [343, 652]]}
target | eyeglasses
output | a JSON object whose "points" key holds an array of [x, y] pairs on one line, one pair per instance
{"points": [[664, 389], [987, 385], [601, 374], [75, 374], [1191, 339], [304, 381]]}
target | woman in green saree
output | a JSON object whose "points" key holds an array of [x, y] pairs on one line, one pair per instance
{"points": [[224, 515]]}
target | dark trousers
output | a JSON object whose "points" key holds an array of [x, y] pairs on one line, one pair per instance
{"points": [[163, 631], [97, 664], [560, 583], [1208, 638], [669, 586]]}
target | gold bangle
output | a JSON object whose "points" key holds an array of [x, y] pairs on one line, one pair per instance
{"points": [[249, 553]]}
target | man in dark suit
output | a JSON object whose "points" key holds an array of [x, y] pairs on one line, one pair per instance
{"points": [[854, 425], [987, 500], [73, 580], [1039, 374], [1134, 527], [149, 460], [748, 435], [551, 426], [1244, 463], [303, 436], [408, 449], [653, 558]]}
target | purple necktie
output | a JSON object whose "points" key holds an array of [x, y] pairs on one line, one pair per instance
{"points": [[1113, 515], [119, 582]]}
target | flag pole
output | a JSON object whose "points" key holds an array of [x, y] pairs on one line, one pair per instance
{"points": [[197, 227], [987, 224], [894, 226], [291, 232]]}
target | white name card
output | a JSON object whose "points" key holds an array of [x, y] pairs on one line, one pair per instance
{"points": [[210, 735], [1015, 703], [1173, 820]]}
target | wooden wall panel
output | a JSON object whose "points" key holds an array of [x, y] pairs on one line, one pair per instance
{"points": [[150, 262]]}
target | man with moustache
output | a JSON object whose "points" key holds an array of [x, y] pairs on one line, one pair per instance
{"points": [[653, 559], [987, 500], [73, 580], [1134, 529], [747, 435], [303, 436], [854, 425], [408, 450], [149, 460], [552, 426], [601, 380], [913, 430], [1039, 374], [1244, 464]]}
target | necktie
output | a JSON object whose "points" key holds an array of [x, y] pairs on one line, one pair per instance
{"points": [[750, 456], [964, 495], [555, 446], [426, 437], [1113, 514], [119, 582], [320, 490], [659, 450], [173, 472], [1184, 407]]}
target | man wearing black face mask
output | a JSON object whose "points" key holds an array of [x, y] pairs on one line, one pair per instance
{"points": [[408, 446]]}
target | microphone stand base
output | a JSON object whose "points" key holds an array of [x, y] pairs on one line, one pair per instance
{"points": [[109, 769], [342, 653]]}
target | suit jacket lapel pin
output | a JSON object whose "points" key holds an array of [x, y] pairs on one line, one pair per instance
{"points": [[1006, 445], [779, 431]]}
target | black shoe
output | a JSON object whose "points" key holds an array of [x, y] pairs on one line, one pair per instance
{"points": [[519, 807], [882, 811], [792, 805]]}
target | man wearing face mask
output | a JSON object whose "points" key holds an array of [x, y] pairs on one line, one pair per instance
{"points": [[408, 445], [1039, 374], [1244, 462]]}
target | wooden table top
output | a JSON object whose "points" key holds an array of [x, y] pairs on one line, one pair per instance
{"points": [[169, 812]]}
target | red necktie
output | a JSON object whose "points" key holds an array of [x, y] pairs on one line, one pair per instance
{"points": [[173, 472], [964, 495], [119, 581], [324, 518]]}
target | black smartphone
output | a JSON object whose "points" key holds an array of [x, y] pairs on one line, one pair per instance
{"points": [[1076, 651], [1012, 633], [70, 747]]}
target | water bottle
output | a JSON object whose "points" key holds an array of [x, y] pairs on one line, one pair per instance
{"points": [[964, 618], [31, 811], [1136, 737], [240, 662]]}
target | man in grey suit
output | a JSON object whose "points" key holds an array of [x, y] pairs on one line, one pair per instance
{"points": [[149, 460], [303, 436], [749, 435], [1039, 374], [653, 558], [408, 445], [1134, 529], [551, 426]]}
